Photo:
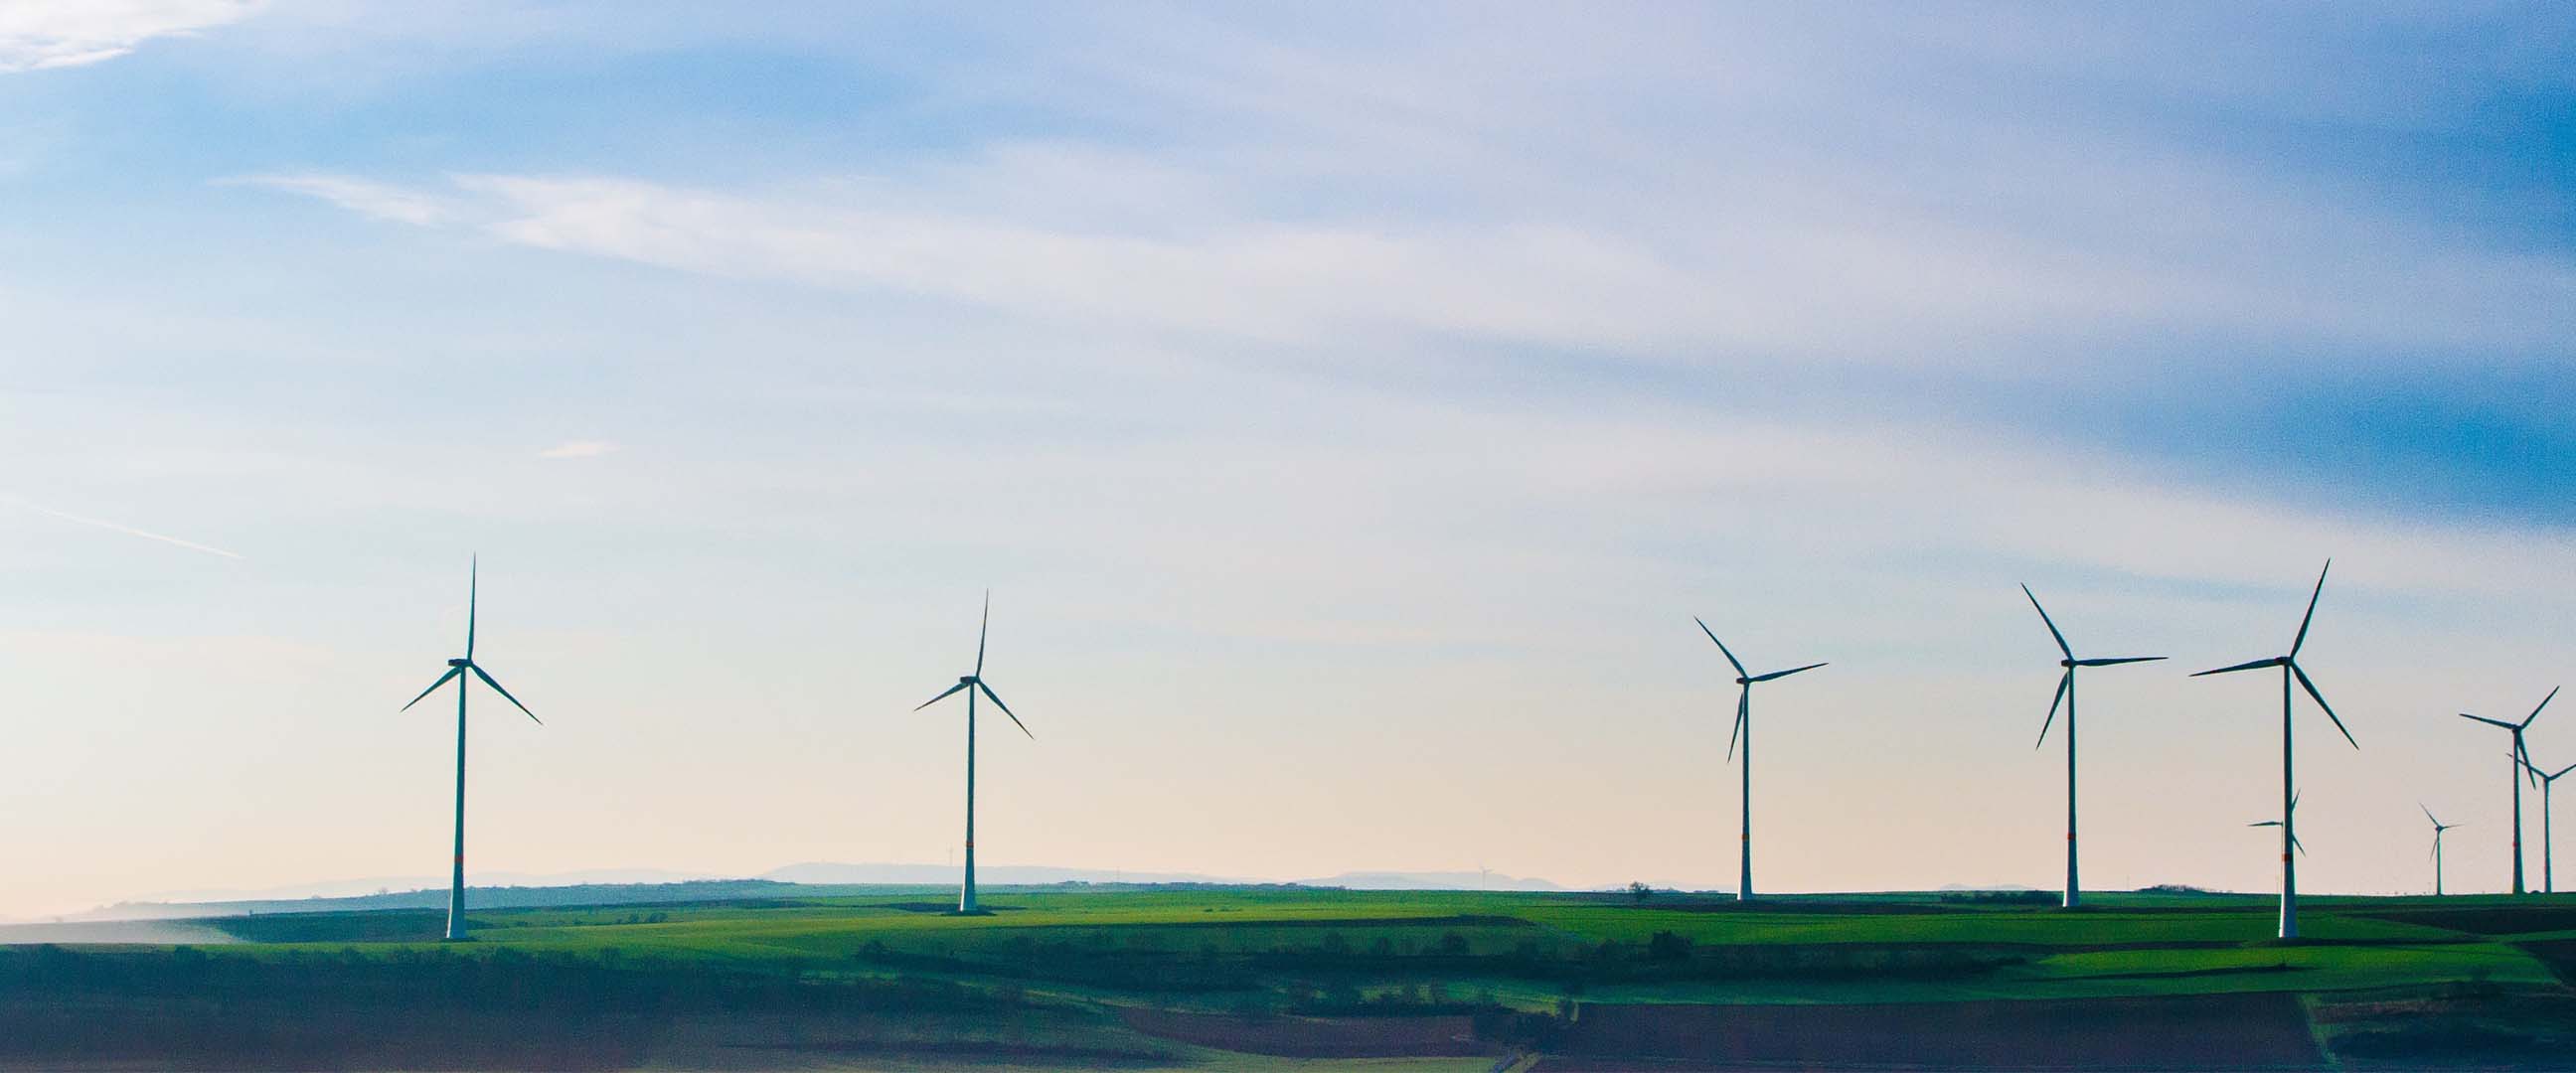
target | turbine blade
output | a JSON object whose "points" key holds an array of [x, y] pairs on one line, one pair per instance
{"points": [[980, 629], [2249, 665], [1743, 710], [2522, 757], [2063, 681], [2264, 823], [2294, 844], [2320, 698], [2487, 721], [473, 585], [2544, 702], [2428, 814], [2052, 623], [941, 697], [2115, 661], [1721, 646], [2560, 772], [2312, 611], [505, 694], [443, 679], [1006, 709], [1786, 673]]}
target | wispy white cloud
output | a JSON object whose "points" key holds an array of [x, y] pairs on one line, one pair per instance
{"points": [[116, 527], [1773, 272], [371, 199], [38, 34], [579, 449]]}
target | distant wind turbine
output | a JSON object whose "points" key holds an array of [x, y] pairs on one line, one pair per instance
{"points": [[2066, 694], [2520, 769], [2438, 828], [2290, 671], [2294, 839], [2548, 882], [1744, 731], [970, 685], [456, 670]]}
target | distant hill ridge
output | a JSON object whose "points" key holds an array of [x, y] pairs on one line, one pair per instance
{"points": [[808, 880]]}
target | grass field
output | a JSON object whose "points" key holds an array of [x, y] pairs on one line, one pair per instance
{"points": [[1261, 977]]}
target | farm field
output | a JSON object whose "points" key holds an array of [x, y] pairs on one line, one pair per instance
{"points": [[1228, 978]]}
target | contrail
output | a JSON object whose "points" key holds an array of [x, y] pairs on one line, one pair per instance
{"points": [[125, 529]]}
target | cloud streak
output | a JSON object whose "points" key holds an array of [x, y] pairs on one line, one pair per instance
{"points": [[1775, 275], [371, 199], [117, 528], [40, 34], [579, 449]]}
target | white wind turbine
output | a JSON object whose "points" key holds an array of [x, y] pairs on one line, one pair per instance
{"points": [[1744, 731]]}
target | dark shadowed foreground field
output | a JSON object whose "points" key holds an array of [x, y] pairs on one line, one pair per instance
{"points": [[1254, 978]]}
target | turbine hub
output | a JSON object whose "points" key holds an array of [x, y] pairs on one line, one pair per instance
{"points": [[1744, 681], [2068, 662], [459, 662], [965, 679]]}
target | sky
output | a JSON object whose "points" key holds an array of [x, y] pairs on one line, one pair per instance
{"points": [[1348, 407]]}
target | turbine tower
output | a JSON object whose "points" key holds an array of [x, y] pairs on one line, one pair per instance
{"points": [[456, 669], [2520, 770], [2548, 884], [2066, 694], [2438, 828], [1744, 730], [970, 685], [2290, 672]]}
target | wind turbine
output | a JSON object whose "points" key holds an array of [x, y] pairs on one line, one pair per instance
{"points": [[970, 685], [2066, 693], [456, 670], [2290, 671], [2294, 839], [2548, 883], [1744, 730], [2521, 762], [2438, 828]]}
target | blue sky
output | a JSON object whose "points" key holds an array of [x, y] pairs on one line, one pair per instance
{"points": [[1345, 403]]}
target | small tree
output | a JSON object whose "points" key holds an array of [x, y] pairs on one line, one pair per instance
{"points": [[1667, 946], [1640, 891]]}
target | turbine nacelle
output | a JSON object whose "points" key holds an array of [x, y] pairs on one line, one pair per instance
{"points": [[2066, 681], [461, 666], [971, 684], [2290, 663]]}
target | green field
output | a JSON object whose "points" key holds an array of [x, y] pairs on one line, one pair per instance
{"points": [[1218, 978]]}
